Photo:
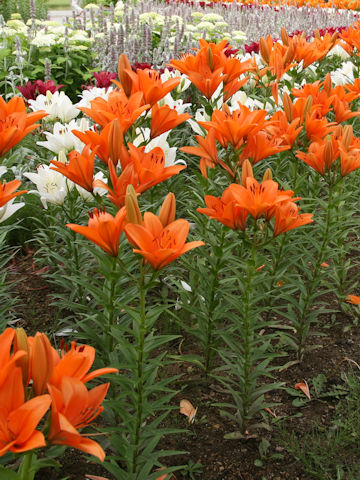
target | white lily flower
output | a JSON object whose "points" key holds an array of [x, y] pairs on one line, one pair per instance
{"points": [[343, 75], [62, 138], [88, 95], [184, 82], [177, 105], [52, 186], [9, 209], [87, 196], [57, 105], [2, 170]]}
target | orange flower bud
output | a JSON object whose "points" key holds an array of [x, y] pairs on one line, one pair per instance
{"points": [[284, 36], [41, 363], [268, 175], [210, 58], [124, 77], [347, 136], [289, 55], [21, 343], [328, 84], [308, 106], [338, 132], [246, 172], [168, 210], [317, 34], [132, 207], [264, 51], [328, 154], [288, 107], [115, 141]]}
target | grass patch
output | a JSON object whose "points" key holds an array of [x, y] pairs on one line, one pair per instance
{"points": [[331, 453], [59, 5]]}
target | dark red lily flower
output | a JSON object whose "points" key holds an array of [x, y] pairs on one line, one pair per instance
{"points": [[43, 87], [252, 47], [141, 66], [103, 79], [28, 91]]}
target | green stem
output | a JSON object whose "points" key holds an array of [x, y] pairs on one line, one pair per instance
{"points": [[25, 466], [248, 335], [304, 322], [139, 388], [111, 305], [270, 300], [208, 347]]}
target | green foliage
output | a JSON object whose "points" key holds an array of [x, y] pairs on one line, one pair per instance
{"points": [[22, 7], [331, 451]]}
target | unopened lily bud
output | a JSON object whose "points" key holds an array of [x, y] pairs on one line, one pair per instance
{"points": [[132, 207], [21, 343], [284, 36], [264, 51], [168, 210], [124, 77], [115, 141], [288, 107], [246, 172], [347, 136], [308, 105], [328, 84], [210, 58], [41, 363], [267, 175], [338, 132], [328, 154], [317, 34], [289, 55]]}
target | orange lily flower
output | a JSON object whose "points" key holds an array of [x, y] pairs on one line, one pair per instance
{"points": [[232, 128], [103, 229], [342, 110], [258, 199], [225, 210], [354, 299], [74, 407], [260, 146], [286, 131], [118, 105], [288, 218], [76, 363], [317, 127], [15, 123], [8, 361], [321, 98], [157, 244], [149, 83], [80, 168], [119, 184], [314, 50], [208, 152], [150, 167], [165, 118], [320, 155], [7, 191], [205, 69], [349, 161], [19, 419]]}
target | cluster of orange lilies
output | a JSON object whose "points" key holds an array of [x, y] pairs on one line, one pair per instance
{"points": [[35, 377], [15, 124]]}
